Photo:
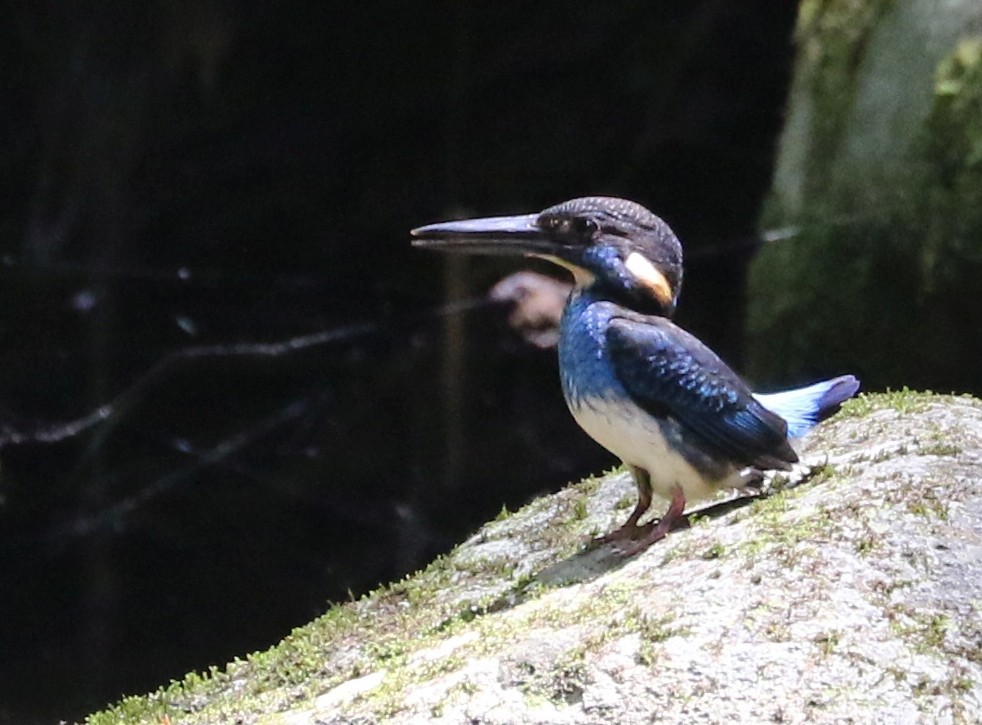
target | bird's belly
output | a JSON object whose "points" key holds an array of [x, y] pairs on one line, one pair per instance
{"points": [[639, 439]]}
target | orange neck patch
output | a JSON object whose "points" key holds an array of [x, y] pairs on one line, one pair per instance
{"points": [[650, 278]]}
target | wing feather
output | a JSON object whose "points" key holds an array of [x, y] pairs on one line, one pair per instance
{"points": [[670, 372]]}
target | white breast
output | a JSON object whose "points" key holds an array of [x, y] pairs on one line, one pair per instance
{"points": [[637, 439]]}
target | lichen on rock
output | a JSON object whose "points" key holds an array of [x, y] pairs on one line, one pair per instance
{"points": [[878, 188], [854, 595]]}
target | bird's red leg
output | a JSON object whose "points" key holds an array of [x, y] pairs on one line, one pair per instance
{"points": [[655, 532], [630, 529]]}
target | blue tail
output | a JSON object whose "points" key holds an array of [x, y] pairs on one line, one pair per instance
{"points": [[802, 408]]}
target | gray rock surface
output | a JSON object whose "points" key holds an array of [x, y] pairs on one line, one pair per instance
{"points": [[855, 596], [851, 594], [876, 200]]}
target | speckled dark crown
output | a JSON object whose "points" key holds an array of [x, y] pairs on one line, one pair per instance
{"points": [[628, 218]]}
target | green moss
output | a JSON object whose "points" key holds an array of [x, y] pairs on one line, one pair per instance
{"points": [[934, 631], [832, 37], [394, 629], [963, 684], [928, 506], [955, 125], [658, 629], [388, 698], [697, 519], [564, 681], [899, 229], [381, 631], [941, 448], [288, 668], [625, 501], [867, 544], [777, 630], [715, 551], [924, 631], [828, 642], [778, 535], [904, 401]]}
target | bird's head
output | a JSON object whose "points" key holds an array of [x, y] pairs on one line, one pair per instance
{"points": [[612, 245]]}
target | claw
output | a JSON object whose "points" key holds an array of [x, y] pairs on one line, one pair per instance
{"points": [[673, 519], [630, 530]]}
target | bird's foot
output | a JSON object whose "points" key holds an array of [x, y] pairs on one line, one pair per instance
{"points": [[629, 532], [673, 519], [651, 533]]}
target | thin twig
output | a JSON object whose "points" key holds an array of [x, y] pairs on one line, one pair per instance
{"points": [[114, 409]]}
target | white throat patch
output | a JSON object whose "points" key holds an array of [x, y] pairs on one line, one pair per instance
{"points": [[582, 277]]}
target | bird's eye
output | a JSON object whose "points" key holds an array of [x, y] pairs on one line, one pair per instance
{"points": [[583, 226]]}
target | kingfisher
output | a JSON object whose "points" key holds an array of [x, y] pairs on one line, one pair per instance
{"points": [[684, 424]]}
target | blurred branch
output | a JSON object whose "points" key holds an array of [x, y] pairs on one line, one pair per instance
{"points": [[114, 514], [114, 410], [124, 401], [118, 406]]}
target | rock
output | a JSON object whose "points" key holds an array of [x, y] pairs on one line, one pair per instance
{"points": [[851, 596], [878, 188]]}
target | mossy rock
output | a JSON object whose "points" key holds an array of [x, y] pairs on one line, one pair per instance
{"points": [[852, 595], [879, 180]]}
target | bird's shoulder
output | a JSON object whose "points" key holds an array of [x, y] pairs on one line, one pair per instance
{"points": [[656, 348], [669, 371]]}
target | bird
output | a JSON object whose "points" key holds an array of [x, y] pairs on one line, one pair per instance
{"points": [[535, 305], [681, 420]]}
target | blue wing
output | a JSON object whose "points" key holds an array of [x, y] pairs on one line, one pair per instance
{"points": [[667, 371]]}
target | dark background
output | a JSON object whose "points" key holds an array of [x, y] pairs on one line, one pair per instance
{"points": [[183, 182]]}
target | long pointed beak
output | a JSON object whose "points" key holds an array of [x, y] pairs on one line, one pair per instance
{"points": [[491, 235]]}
